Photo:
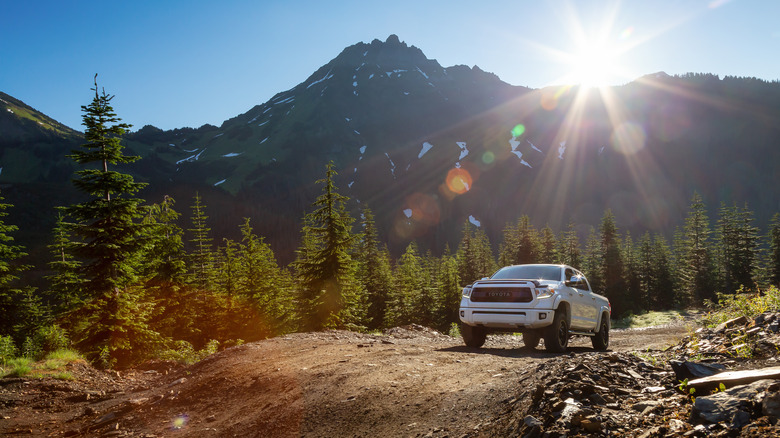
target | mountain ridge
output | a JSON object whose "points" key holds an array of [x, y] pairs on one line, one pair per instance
{"points": [[429, 148]]}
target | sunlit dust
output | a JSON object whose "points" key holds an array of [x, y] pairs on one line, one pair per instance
{"points": [[626, 34], [459, 180], [628, 138]]}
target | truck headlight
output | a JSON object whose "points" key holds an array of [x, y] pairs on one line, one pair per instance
{"points": [[467, 292], [546, 292]]}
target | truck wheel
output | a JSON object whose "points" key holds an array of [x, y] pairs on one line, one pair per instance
{"points": [[556, 337], [531, 338], [601, 339], [473, 336]]}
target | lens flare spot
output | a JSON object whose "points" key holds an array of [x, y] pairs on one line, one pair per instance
{"points": [[180, 422], [627, 32], [459, 180], [518, 130], [488, 157], [628, 138], [549, 100]]}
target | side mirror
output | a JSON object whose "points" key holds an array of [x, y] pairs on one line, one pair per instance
{"points": [[574, 281]]}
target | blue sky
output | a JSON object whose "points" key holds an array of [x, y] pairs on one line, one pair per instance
{"points": [[174, 63]]}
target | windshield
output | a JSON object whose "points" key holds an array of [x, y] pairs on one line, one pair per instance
{"points": [[529, 272]]}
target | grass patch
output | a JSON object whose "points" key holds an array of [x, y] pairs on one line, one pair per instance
{"points": [[17, 367], [650, 319], [51, 366]]}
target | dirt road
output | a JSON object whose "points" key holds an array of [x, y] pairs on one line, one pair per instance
{"points": [[407, 382]]}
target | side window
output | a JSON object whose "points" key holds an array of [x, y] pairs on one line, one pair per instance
{"points": [[568, 274], [583, 284]]}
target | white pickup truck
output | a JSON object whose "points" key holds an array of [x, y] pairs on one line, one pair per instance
{"points": [[550, 302]]}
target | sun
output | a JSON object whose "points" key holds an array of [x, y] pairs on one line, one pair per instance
{"points": [[595, 64]]}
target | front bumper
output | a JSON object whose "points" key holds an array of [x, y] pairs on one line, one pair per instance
{"points": [[505, 318]]}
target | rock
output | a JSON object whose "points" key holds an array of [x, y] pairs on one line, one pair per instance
{"points": [[730, 323], [734, 378], [690, 370], [531, 421], [591, 425], [770, 406], [643, 405], [676, 426], [726, 406], [597, 399]]}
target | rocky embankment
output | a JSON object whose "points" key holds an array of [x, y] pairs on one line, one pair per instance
{"points": [[716, 382]]}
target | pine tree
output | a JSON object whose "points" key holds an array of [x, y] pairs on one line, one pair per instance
{"points": [[109, 239], [264, 283], [631, 275], [330, 295], [569, 252], [663, 287], [202, 256], [408, 296], [696, 268], [375, 273], [108, 235], [65, 286], [548, 247], [164, 259], [613, 267], [13, 303], [475, 255], [737, 245], [774, 250], [449, 291]]}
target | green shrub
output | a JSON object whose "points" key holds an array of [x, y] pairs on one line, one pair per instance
{"points": [[184, 352], [51, 338], [7, 349]]}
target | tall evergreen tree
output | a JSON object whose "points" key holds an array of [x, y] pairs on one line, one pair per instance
{"points": [[11, 304], [696, 265], [330, 295], [774, 250], [663, 286], [569, 252], [375, 273], [737, 248], [475, 255], [548, 247], [613, 266], [202, 256], [109, 239], [65, 285], [164, 262], [106, 228]]}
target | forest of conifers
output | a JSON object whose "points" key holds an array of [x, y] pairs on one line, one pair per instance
{"points": [[123, 289]]}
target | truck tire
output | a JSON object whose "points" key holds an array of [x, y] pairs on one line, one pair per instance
{"points": [[473, 336], [556, 336], [531, 338], [601, 340]]}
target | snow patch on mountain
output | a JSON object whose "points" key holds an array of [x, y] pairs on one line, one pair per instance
{"points": [[327, 76], [534, 147], [263, 123], [362, 149], [371, 76], [232, 154], [268, 109], [347, 119], [192, 157], [350, 184], [601, 150], [561, 149], [392, 165], [396, 71], [219, 182], [463, 149], [408, 212], [289, 99], [356, 131], [264, 140], [219, 135], [425, 148], [474, 221], [514, 143], [422, 72]]}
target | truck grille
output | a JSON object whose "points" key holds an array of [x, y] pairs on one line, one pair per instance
{"points": [[501, 295]]}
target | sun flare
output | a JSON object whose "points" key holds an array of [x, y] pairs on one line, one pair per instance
{"points": [[595, 65]]}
